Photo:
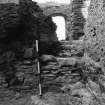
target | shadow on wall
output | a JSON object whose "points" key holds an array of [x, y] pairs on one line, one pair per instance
{"points": [[18, 31], [48, 40]]}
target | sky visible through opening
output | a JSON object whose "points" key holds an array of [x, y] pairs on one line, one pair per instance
{"points": [[60, 22]]}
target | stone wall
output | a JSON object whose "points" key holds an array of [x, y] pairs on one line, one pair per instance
{"points": [[78, 19], [95, 31], [20, 25]]}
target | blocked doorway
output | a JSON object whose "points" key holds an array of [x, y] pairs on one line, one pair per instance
{"points": [[61, 27]]}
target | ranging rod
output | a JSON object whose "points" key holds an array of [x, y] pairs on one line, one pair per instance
{"points": [[39, 72]]}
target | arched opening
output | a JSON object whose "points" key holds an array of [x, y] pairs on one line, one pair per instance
{"points": [[61, 28]]}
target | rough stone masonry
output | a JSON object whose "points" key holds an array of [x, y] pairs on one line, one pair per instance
{"points": [[95, 31]]}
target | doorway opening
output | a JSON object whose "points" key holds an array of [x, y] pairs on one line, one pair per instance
{"points": [[61, 28]]}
